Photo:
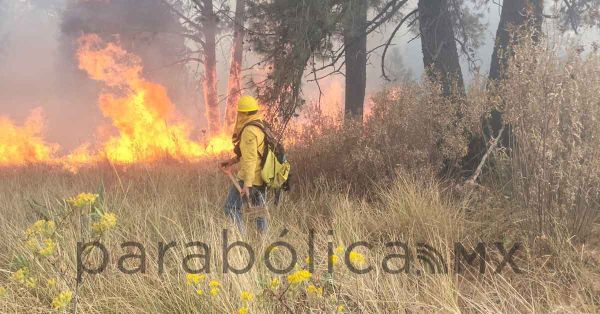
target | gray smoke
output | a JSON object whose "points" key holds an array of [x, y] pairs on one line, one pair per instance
{"points": [[146, 28], [38, 66]]}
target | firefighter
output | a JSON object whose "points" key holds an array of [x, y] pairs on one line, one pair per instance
{"points": [[248, 140]]}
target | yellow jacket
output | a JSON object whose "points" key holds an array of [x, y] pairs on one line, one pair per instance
{"points": [[251, 143]]}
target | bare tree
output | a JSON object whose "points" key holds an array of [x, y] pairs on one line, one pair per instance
{"points": [[209, 22], [201, 20], [235, 69]]}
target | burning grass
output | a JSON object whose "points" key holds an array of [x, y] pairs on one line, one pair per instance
{"points": [[146, 124]]}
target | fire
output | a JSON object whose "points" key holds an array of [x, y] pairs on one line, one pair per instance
{"points": [[145, 123], [24, 145], [332, 102], [144, 115]]}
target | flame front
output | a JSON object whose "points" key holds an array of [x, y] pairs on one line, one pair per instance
{"points": [[144, 115], [23, 145], [145, 119], [145, 126]]}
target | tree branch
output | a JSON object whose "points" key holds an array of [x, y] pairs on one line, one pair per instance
{"points": [[389, 41], [473, 178]]}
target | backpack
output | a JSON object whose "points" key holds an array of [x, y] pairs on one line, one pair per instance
{"points": [[275, 168]]}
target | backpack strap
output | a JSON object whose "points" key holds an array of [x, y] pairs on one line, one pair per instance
{"points": [[259, 124]]}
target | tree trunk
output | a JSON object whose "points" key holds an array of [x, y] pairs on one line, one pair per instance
{"points": [[237, 52], [355, 44], [210, 67], [440, 56], [515, 14]]}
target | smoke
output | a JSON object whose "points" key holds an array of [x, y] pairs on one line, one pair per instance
{"points": [[26, 73], [39, 68], [146, 28]]}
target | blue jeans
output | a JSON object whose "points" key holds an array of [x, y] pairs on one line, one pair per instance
{"points": [[233, 206]]}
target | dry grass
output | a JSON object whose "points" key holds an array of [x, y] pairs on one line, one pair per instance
{"points": [[183, 203]]}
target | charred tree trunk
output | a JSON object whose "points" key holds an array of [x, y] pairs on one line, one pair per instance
{"points": [[355, 43], [511, 17], [440, 56], [210, 67], [235, 71]]}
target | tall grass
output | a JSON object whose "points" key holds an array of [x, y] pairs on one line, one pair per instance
{"points": [[182, 203]]}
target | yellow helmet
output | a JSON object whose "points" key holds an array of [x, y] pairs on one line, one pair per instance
{"points": [[247, 104]]}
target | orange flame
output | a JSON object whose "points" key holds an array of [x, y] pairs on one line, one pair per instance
{"points": [[24, 145], [144, 115], [146, 122]]}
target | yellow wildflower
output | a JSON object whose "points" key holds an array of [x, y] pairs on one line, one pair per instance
{"points": [[243, 310], [41, 227], [307, 260], [356, 258], [200, 292], [247, 296], [340, 308], [51, 282], [214, 283], [20, 275], [194, 278], [313, 289], [299, 276], [339, 249], [334, 259], [82, 199], [32, 244], [107, 222], [214, 291], [31, 282], [274, 283], [48, 249], [62, 300]]}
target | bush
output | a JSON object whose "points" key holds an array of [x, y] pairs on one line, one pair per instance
{"points": [[553, 105], [411, 129], [552, 170]]}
